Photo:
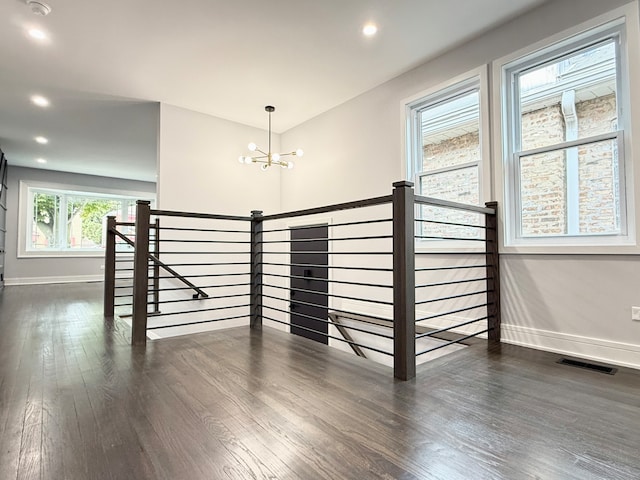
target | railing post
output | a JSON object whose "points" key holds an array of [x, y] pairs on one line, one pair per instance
{"points": [[256, 269], [404, 282], [493, 274], [110, 268], [141, 274], [156, 267]]}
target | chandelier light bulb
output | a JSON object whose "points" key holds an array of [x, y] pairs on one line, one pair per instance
{"points": [[269, 158]]}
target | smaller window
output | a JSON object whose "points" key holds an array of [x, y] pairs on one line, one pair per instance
{"points": [[445, 160]]}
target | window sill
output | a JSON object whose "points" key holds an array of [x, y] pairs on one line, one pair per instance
{"points": [[85, 254]]}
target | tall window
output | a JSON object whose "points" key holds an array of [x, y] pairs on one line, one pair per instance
{"points": [[66, 221], [565, 137], [446, 155]]}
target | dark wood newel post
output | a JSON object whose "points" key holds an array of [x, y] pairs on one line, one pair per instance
{"points": [[141, 274], [493, 274], [256, 269], [404, 282], [110, 268]]}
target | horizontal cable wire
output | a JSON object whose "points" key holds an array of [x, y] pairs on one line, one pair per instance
{"points": [[452, 342], [210, 230], [369, 269], [191, 252], [195, 323], [372, 237], [452, 282], [363, 319], [464, 239], [342, 282], [329, 322], [381, 302], [465, 309], [330, 225], [433, 269], [420, 220], [204, 275], [329, 253], [446, 329], [215, 264], [206, 286], [327, 335], [204, 241], [197, 311], [200, 298], [451, 297]]}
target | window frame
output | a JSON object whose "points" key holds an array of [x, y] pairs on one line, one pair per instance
{"points": [[473, 80], [622, 22], [25, 212]]}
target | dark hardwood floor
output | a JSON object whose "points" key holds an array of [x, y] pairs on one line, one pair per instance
{"points": [[77, 402]]}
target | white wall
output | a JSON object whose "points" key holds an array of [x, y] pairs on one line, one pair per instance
{"points": [[572, 304], [50, 270], [198, 169]]}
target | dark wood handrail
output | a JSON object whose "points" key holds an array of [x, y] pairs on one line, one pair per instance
{"points": [[369, 202], [207, 216], [436, 202], [161, 264]]}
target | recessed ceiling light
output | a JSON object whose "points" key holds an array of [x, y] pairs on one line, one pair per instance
{"points": [[37, 34], [41, 160], [42, 140], [369, 29], [40, 101]]}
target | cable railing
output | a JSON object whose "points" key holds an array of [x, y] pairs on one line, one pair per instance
{"points": [[457, 282], [314, 266], [387, 278]]}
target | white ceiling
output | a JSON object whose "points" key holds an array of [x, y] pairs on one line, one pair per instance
{"points": [[106, 60]]}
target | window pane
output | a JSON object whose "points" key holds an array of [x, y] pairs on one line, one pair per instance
{"points": [[571, 98], [86, 217], [543, 194], [572, 191], [45, 221], [450, 132], [460, 186]]}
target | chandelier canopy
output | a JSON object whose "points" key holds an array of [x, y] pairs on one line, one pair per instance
{"points": [[267, 159]]}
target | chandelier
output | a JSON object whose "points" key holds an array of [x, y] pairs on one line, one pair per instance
{"points": [[267, 158]]}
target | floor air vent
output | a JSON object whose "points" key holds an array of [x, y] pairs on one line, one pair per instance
{"points": [[588, 366]]}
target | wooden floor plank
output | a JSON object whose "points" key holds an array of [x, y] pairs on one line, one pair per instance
{"points": [[78, 402]]}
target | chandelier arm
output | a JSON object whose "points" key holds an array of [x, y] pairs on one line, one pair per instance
{"points": [[263, 153]]}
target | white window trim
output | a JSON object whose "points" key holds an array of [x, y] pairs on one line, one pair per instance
{"points": [[478, 76], [24, 210], [596, 244]]}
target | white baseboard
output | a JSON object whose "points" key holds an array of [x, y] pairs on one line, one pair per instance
{"points": [[595, 349], [46, 280]]}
